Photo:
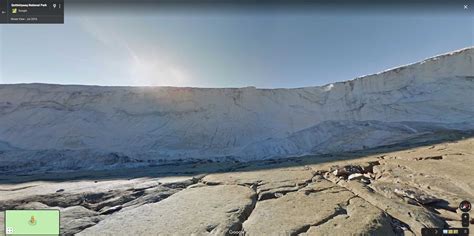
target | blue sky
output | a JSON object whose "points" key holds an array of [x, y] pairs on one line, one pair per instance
{"points": [[269, 49]]}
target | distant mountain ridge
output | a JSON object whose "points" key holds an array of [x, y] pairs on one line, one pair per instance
{"points": [[167, 123]]}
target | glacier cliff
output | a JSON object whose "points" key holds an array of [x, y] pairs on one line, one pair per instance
{"points": [[109, 125]]}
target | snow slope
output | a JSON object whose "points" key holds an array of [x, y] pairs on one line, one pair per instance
{"points": [[167, 123]]}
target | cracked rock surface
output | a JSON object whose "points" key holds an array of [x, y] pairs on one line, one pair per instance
{"points": [[294, 212], [361, 218], [391, 192], [215, 210]]}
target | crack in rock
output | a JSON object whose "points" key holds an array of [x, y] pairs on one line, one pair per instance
{"points": [[245, 214], [438, 157], [339, 210], [310, 191], [398, 226], [414, 216]]}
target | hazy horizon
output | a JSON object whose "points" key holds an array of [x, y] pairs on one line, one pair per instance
{"points": [[323, 85], [263, 49]]}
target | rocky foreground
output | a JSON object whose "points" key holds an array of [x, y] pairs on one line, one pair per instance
{"points": [[383, 191]]}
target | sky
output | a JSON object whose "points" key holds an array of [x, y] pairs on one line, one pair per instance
{"points": [[261, 48]]}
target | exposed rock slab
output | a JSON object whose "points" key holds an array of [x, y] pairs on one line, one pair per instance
{"points": [[361, 218], [408, 190], [295, 212], [266, 182], [416, 217], [213, 209], [75, 219]]}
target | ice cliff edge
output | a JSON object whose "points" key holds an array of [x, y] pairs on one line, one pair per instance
{"points": [[243, 123]]}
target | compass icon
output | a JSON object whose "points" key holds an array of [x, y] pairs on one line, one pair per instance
{"points": [[465, 206]]}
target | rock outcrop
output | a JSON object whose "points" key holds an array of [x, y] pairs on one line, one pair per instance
{"points": [[408, 190]]}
